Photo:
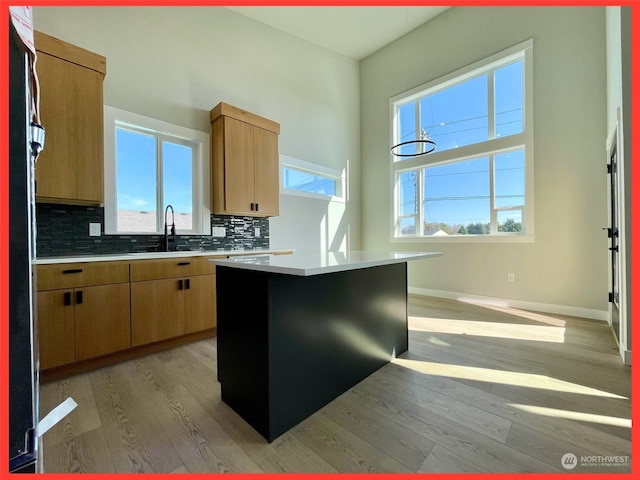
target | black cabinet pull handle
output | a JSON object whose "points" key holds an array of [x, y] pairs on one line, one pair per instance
{"points": [[73, 270], [79, 297], [184, 263], [253, 205], [67, 299], [180, 285], [257, 207], [188, 282]]}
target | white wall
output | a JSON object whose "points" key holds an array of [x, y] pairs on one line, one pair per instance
{"points": [[566, 266], [326, 219], [176, 63]]}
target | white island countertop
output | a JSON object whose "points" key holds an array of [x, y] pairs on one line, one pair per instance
{"points": [[306, 264]]}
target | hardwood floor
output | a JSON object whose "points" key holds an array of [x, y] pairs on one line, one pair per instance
{"points": [[481, 389]]}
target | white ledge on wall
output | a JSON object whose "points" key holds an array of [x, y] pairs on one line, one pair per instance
{"points": [[451, 239]]}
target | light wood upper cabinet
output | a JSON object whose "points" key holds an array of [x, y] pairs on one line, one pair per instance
{"points": [[267, 175], [245, 163], [70, 168]]}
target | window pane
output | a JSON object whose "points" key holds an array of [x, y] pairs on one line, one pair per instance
{"points": [[408, 226], [308, 182], [509, 179], [407, 190], [177, 179], [135, 181], [406, 130], [458, 115], [508, 99], [456, 198], [510, 221]]}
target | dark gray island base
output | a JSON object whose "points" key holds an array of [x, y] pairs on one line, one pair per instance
{"points": [[288, 344]]}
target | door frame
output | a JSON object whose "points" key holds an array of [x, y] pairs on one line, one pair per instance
{"points": [[615, 144]]}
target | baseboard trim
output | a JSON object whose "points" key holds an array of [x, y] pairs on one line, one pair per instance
{"points": [[600, 315]]}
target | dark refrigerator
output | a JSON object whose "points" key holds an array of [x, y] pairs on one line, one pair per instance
{"points": [[23, 351]]}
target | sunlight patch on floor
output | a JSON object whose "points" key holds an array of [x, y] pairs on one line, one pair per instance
{"points": [[437, 341], [570, 415], [536, 333], [518, 379], [504, 307]]}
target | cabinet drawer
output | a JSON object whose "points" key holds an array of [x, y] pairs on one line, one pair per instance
{"points": [[72, 275], [174, 267]]}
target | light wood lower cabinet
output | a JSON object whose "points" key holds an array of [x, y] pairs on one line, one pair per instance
{"points": [[81, 323], [102, 321], [166, 308], [87, 311], [200, 304], [56, 329]]}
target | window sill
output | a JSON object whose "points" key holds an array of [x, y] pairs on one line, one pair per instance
{"points": [[316, 196], [468, 239]]}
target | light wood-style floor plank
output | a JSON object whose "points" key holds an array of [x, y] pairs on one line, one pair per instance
{"points": [[483, 388]]}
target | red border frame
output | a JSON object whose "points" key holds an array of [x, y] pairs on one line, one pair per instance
{"points": [[4, 105]]}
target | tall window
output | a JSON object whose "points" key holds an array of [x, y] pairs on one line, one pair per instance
{"points": [[151, 164], [479, 182]]}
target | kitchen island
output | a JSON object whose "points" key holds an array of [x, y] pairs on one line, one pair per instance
{"points": [[296, 331]]}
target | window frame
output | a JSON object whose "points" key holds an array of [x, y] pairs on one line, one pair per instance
{"points": [[493, 146], [314, 169], [162, 131]]}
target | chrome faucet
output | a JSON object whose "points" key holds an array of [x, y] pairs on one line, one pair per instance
{"points": [[168, 240]]}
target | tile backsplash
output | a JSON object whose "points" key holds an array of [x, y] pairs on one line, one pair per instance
{"points": [[64, 230]]}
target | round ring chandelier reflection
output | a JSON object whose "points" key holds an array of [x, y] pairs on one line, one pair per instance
{"points": [[429, 144], [424, 142]]}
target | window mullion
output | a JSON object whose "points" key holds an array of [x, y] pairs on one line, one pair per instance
{"points": [[159, 185], [491, 105], [418, 126], [493, 215], [420, 192]]}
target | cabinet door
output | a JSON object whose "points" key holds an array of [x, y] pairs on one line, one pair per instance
{"points": [[238, 166], [71, 165], [157, 310], [200, 303], [102, 320], [267, 177], [56, 333]]}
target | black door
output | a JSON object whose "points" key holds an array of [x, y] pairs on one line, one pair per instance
{"points": [[613, 232]]}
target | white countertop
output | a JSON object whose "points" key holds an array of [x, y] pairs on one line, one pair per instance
{"points": [[304, 264], [156, 255]]}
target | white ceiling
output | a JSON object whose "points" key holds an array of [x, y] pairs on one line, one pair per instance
{"points": [[352, 31]]}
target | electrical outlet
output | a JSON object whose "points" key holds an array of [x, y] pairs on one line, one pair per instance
{"points": [[257, 232], [219, 232], [511, 277], [94, 229]]}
